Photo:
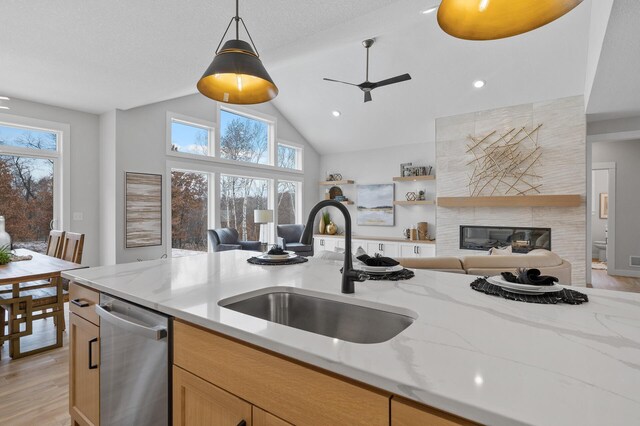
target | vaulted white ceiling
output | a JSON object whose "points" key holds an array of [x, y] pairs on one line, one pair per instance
{"points": [[97, 56]]}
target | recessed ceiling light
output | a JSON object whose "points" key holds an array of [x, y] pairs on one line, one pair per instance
{"points": [[479, 84], [4, 107], [336, 113], [4, 98], [430, 10]]}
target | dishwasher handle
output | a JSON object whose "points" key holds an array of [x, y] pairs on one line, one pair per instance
{"points": [[155, 333]]}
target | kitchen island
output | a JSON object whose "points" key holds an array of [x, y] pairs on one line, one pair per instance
{"points": [[482, 358]]}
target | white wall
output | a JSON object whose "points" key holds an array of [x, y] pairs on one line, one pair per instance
{"points": [[380, 166], [140, 147], [626, 155], [83, 167], [600, 13]]}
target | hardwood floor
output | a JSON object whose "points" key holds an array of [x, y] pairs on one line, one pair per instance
{"points": [[600, 279], [34, 390]]}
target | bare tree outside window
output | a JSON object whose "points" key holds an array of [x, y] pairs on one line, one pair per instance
{"points": [[26, 187], [189, 210]]}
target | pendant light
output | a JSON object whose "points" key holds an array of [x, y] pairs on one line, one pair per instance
{"points": [[236, 75], [494, 19]]}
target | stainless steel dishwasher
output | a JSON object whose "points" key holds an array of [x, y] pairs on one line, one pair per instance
{"points": [[134, 364]]}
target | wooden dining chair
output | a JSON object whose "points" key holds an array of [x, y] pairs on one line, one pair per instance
{"points": [[72, 247], [55, 243]]}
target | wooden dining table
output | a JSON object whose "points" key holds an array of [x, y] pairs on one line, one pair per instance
{"points": [[40, 267]]}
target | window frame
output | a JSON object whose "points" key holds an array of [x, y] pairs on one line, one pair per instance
{"points": [[299, 155], [60, 157], [209, 126]]}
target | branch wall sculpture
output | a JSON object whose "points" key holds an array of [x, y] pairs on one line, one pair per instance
{"points": [[504, 164]]}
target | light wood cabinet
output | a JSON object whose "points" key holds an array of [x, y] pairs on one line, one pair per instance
{"points": [[262, 418], [84, 371], [409, 413], [290, 390], [199, 403]]}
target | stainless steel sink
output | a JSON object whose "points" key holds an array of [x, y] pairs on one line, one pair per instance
{"points": [[310, 312]]}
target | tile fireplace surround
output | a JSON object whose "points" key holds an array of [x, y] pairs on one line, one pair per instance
{"points": [[562, 170]]}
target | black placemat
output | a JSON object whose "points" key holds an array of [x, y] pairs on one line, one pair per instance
{"points": [[404, 274], [293, 261], [566, 295]]}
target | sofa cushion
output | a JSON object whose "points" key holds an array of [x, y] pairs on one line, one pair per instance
{"points": [[534, 259], [500, 251], [446, 264]]}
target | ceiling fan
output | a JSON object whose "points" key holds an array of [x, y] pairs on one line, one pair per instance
{"points": [[367, 86]]}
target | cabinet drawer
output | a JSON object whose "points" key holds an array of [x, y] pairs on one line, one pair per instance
{"points": [[409, 413], [199, 403], [262, 418], [294, 392], [79, 295]]}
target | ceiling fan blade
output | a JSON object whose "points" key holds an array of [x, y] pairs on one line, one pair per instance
{"points": [[367, 96], [338, 81], [392, 80]]}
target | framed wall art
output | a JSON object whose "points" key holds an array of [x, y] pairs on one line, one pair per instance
{"points": [[375, 205], [143, 210]]}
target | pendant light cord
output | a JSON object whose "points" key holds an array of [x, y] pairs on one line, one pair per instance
{"points": [[239, 20]]}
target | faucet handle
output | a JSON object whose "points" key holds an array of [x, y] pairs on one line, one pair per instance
{"points": [[358, 276]]}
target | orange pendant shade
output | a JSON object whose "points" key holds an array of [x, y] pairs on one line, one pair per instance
{"points": [[495, 19]]}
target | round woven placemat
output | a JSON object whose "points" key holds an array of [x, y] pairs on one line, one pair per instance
{"points": [[566, 295], [293, 261]]}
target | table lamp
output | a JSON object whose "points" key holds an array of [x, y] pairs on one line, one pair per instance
{"points": [[262, 217]]}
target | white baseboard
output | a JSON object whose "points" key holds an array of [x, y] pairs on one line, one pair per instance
{"points": [[624, 273]]}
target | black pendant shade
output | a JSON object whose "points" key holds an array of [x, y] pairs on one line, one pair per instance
{"points": [[236, 75]]}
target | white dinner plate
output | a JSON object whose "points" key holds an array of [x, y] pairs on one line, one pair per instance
{"points": [[281, 258], [523, 288], [379, 270], [287, 255]]}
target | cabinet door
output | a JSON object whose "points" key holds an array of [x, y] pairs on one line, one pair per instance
{"points": [[199, 403], [408, 250], [426, 250], [262, 418], [330, 244], [390, 249], [84, 371], [318, 244], [409, 413], [373, 247]]}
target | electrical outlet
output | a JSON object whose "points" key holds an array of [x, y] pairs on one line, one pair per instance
{"points": [[78, 216]]}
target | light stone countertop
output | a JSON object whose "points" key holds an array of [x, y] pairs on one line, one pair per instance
{"points": [[484, 358]]}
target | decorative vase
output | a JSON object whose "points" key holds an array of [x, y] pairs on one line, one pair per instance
{"points": [[5, 238], [322, 225], [331, 228]]}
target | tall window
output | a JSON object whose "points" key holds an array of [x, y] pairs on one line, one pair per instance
{"points": [[190, 138], [287, 203], [29, 174], [189, 211], [239, 197], [244, 139]]}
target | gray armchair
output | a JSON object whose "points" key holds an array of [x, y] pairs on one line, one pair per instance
{"points": [[224, 239], [289, 239]]}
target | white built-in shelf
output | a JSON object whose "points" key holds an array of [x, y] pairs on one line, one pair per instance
{"points": [[414, 203], [413, 178], [336, 182]]}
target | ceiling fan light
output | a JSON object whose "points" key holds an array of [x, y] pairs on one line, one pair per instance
{"points": [[496, 19], [237, 76]]}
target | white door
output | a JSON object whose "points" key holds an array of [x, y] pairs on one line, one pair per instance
{"points": [[426, 250], [408, 250]]}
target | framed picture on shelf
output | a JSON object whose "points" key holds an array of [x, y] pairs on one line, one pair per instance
{"points": [[375, 205], [604, 205]]}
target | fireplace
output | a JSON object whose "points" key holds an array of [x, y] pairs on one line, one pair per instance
{"points": [[521, 240]]}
